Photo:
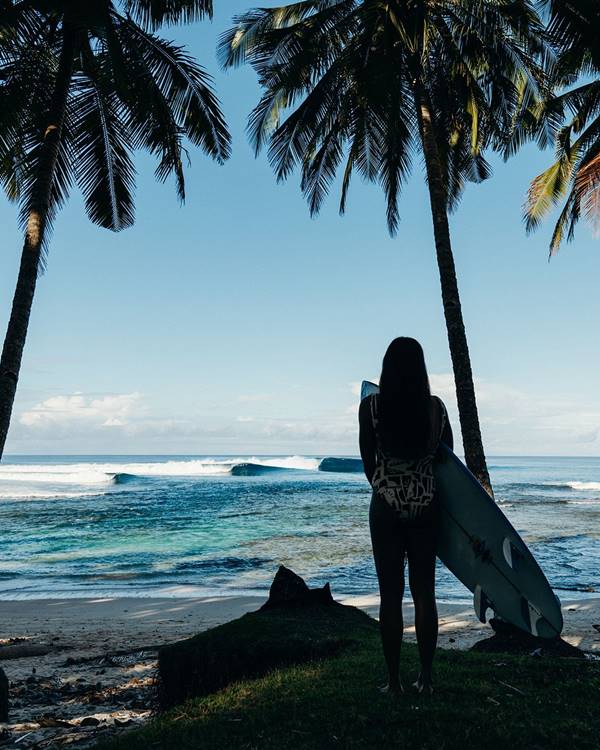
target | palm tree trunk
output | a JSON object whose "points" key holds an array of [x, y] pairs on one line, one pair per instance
{"points": [[16, 333], [457, 339]]}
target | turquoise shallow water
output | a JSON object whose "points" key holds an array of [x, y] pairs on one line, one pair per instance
{"points": [[180, 525]]}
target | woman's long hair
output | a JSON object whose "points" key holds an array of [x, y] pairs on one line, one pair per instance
{"points": [[405, 400]]}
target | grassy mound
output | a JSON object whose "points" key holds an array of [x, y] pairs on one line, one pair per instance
{"points": [[256, 644], [488, 700]]}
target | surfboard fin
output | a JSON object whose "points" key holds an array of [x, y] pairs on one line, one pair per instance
{"points": [[481, 603], [512, 554], [533, 618]]}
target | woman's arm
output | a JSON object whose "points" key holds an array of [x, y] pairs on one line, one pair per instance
{"points": [[447, 437], [366, 438]]}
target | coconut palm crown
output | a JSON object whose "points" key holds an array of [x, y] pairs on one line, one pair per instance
{"points": [[366, 85], [83, 85], [573, 117], [127, 89]]}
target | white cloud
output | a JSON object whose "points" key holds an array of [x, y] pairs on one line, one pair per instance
{"points": [[513, 422], [60, 411]]}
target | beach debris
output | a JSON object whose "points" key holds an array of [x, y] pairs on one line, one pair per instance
{"points": [[116, 658], [511, 687], [596, 626], [22, 737], [52, 721], [123, 722], [89, 721], [23, 650], [3, 696]]}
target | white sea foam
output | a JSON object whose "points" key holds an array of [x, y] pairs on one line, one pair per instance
{"points": [[56, 474], [86, 474], [291, 462], [594, 486], [40, 495]]}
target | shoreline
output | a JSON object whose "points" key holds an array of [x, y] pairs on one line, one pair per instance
{"points": [[93, 660]]}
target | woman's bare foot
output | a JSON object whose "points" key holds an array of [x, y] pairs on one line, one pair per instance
{"points": [[392, 688], [423, 684]]}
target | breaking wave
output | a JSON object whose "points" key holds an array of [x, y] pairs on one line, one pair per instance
{"points": [[37, 477], [342, 465], [583, 486]]}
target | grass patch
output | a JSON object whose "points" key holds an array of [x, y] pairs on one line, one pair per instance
{"points": [[256, 644], [493, 700]]}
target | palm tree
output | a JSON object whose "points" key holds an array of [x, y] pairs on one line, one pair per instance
{"points": [[573, 116], [372, 82], [82, 86]]}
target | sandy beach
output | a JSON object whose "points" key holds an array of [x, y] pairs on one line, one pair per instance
{"points": [[79, 668]]}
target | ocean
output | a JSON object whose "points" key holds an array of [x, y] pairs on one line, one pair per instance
{"points": [[105, 526]]}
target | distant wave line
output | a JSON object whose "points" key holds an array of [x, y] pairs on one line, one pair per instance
{"points": [[110, 473]]}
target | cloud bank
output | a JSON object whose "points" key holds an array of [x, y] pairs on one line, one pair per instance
{"points": [[513, 423]]}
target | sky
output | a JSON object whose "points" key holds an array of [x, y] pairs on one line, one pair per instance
{"points": [[236, 324]]}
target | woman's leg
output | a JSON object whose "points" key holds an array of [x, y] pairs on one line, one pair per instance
{"points": [[388, 552], [421, 548]]}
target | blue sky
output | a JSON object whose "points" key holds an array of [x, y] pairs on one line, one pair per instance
{"points": [[238, 324]]}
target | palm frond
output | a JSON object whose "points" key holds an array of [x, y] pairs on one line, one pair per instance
{"points": [[148, 114], [104, 168], [565, 225], [547, 189], [337, 78], [32, 173], [155, 13], [254, 35], [320, 167], [586, 186], [188, 89]]}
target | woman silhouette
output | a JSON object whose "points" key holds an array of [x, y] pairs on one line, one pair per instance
{"points": [[400, 431]]}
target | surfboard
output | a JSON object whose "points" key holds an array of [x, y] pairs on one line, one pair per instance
{"points": [[479, 545]]}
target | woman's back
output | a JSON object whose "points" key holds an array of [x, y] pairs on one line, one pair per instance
{"points": [[400, 430]]}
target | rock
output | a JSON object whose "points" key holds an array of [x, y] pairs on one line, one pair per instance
{"points": [[289, 590], [596, 626], [295, 625], [3, 696], [52, 721], [512, 640], [89, 721]]}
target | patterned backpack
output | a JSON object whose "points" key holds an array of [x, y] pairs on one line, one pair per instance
{"points": [[406, 484]]}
